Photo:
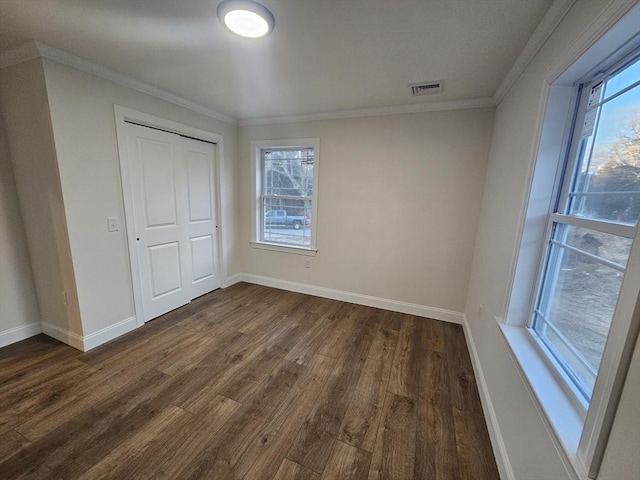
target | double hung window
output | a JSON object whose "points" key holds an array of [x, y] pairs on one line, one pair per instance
{"points": [[589, 235], [286, 192]]}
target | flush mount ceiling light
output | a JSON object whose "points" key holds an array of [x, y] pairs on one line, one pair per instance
{"points": [[246, 18]]}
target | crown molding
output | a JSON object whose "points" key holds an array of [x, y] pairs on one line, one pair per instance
{"points": [[19, 54], [372, 112], [541, 34], [34, 49], [87, 66]]}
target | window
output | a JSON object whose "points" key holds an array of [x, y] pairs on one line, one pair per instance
{"points": [[285, 201], [571, 319], [590, 234]]}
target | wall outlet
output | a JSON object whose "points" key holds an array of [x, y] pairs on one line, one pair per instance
{"points": [[112, 223], [307, 263]]}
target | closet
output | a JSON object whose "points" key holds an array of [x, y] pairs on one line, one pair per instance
{"points": [[172, 191]]}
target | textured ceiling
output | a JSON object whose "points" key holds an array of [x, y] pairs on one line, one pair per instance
{"points": [[324, 55]]}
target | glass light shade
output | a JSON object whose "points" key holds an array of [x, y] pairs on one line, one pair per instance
{"points": [[246, 18], [246, 23]]}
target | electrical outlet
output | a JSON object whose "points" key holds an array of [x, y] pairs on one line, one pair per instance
{"points": [[112, 223], [307, 263]]}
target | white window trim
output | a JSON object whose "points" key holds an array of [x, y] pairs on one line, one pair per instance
{"points": [[580, 431], [276, 247], [256, 185]]}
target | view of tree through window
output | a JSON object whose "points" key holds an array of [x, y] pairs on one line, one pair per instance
{"points": [[287, 191], [591, 234]]}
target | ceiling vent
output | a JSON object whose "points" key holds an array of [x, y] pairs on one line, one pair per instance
{"points": [[425, 88]]}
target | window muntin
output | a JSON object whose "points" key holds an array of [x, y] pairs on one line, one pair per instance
{"points": [[590, 235], [286, 196]]}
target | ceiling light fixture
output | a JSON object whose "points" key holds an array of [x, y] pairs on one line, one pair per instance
{"points": [[246, 18]]}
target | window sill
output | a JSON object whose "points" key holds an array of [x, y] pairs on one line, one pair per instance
{"points": [[274, 247], [564, 415]]}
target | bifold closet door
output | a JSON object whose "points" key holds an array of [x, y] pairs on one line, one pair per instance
{"points": [[172, 185]]}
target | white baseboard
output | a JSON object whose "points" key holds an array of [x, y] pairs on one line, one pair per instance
{"points": [[357, 298], [100, 337], [70, 338], [13, 335], [232, 280], [93, 340], [109, 333], [497, 441]]}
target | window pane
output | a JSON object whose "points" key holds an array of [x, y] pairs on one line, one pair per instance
{"points": [[604, 245], [608, 178], [288, 172], [287, 221], [623, 79], [574, 364], [579, 295]]}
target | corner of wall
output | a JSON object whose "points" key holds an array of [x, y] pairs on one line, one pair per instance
{"points": [[31, 146]]}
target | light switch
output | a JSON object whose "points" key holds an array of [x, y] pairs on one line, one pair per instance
{"points": [[112, 222]]}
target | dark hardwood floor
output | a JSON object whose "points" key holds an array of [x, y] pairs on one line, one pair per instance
{"points": [[249, 383]]}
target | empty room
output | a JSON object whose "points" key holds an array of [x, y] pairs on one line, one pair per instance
{"points": [[320, 239]]}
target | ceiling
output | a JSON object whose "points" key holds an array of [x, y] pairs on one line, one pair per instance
{"points": [[323, 56]]}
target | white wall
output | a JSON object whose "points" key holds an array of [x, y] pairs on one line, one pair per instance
{"points": [[83, 124], [398, 205], [19, 313], [529, 445], [25, 113]]}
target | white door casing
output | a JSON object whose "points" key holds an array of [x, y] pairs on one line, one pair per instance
{"points": [[174, 217]]}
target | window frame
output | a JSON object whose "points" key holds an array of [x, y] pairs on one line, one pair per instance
{"points": [[579, 430], [257, 194], [560, 215]]}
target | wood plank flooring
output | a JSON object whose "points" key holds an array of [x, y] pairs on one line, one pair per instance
{"points": [[249, 383]]}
